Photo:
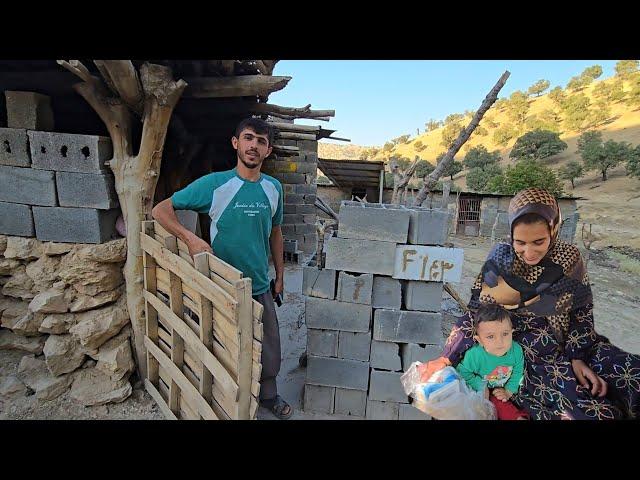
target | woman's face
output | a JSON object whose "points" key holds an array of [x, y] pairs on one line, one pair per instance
{"points": [[531, 242]]}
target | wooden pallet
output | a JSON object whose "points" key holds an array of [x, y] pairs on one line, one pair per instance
{"points": [[203, 333]]}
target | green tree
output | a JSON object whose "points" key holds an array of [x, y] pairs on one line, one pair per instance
{"points": [[576, 110], [518, 107], [601, 156], [449, 133], [601, 113], [546, 120], [403, 163], [592, 72], [479, 157], [537, 145], [577, 83], [557, 96], [633, 99], [480, 131], [401, 139], [423, 169], [501, 104], [453, 168], [388, 180], [453, 118], [538, 87], [432, 125], [388, 147], [571, 171], [625, 68], [478, 178], [633, 164], [525, 174], [419, 146], [502, 135]]}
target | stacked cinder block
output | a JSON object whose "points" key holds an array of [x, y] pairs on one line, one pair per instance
{"points": [[53, 186], [298, 175], [368, 316]]}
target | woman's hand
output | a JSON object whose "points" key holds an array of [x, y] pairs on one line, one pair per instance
{"points": [[501, 394], [584, 375], [427, 369]]}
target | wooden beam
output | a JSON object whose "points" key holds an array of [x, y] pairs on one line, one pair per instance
{"points": [[239, 86]]}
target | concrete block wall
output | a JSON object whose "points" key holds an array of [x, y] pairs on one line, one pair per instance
{"points": [[365, 327], [54, 186], [298, 175]]}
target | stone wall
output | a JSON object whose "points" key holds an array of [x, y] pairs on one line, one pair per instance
{"points": [[64, 306]]}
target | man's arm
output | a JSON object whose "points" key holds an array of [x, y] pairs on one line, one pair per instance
{"points": [[276, 243], [165, 215]]}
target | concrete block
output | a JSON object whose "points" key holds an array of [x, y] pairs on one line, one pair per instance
{"points": [[27, 186], [411, 352], [288, 230], [409, 412], [289, 209], [334, 315], [16, 219], [319, 399], [354, 346], [310, 219], [427, 226], [336, 372], [305, 209], [292, 219], [382, 410], [291, 246], [355, 288], [385, 356], [75, 225], [386, 293], [386, 387], [423, 296], [293, 198], [69, 153], [501, 229], [14, 147], [319, 283], [291, 178], [322, 343], [435, 264], [309, 199], [407, 327], [306, 189], [305, 229], [88, 190], [311, 157], [29, 110], [568, 227], [350, 402], [361, 256], [307, 167], [373, 221]]}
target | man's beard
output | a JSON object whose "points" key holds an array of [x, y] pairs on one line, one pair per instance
{"points": [[249, 165]]}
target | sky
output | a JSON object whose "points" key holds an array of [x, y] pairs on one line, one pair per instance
{"points": [[377, 100]]}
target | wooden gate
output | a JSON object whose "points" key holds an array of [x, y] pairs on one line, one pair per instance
{"points": [[468, 216], [203, 333]]}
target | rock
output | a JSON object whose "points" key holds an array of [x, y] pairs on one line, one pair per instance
{"points": [[86, 302], [63, 354], [23, 248], [12, 341], [29, 325], [115, 357], [57, 323], [43, 272], [3, 243], [50, 301], [53, 248], [90, 363], [93, 387], [114, 251], [34, 373], [19, 285], [95, 327], [11, 310], [11, 388], [89, 277], [8, 265]]}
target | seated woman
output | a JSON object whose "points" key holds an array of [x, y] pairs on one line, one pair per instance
{"points": [[571, 372]]}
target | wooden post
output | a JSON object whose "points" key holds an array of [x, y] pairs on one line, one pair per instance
{"points": [[381, 194]]}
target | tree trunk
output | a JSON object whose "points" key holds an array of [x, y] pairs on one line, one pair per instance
{"points": [[135, 176], [604, 175], [572, 185], [433, 177]]}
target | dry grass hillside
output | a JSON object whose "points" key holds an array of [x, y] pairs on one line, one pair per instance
{"points": [[613, 207]]}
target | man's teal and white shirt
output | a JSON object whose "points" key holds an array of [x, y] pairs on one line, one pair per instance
{"points": [[242, 216]]}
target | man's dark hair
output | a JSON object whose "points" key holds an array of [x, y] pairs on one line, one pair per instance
{"points": [[490, 312], [257, 125]]}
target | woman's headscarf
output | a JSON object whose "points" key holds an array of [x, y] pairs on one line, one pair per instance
{"points": [[552, 288]]}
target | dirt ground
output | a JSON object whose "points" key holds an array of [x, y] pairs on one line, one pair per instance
{"points": [[614, 274]]}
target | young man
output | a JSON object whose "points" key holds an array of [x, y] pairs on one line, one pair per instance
{"points": [[245, 207]]}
